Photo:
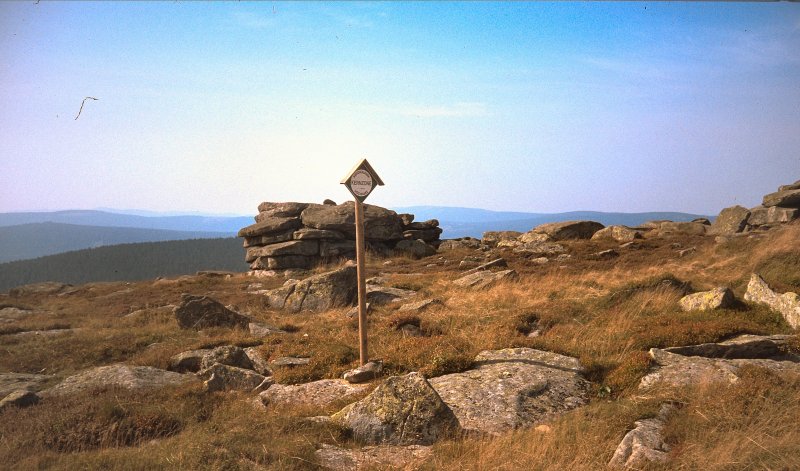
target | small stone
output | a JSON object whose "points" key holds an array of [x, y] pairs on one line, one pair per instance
{"points": [[366, 372], [718, 298], [288, 362]]}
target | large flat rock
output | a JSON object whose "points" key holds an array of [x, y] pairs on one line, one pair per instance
{"points": [[124, 376], [373, 457], [320, 393], [10, 382], [513, 388]]}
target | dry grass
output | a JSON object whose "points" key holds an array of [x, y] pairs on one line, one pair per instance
{"points": [[607, 313]]}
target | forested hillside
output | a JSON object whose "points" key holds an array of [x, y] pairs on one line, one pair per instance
{"points": [[127, 262], [33, 240]]}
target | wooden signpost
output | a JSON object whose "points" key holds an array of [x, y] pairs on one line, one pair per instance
{"points": [[361, 180]]}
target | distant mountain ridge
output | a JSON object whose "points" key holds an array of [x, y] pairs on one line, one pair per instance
{"points": [[228, 225]]}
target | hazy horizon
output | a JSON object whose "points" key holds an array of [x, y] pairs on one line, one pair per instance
{"points": [[526, 107]]}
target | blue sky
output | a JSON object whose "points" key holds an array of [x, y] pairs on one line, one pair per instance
{"points": [[539, 107]]}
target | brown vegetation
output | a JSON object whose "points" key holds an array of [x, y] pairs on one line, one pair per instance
{"points": [[607, 313]]}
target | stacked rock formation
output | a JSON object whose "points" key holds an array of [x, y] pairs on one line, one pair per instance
{"points": [[302, 235], [780, 207]]}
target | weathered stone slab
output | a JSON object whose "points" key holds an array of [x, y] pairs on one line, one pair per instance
{"points": [[465, 243], [10, 382], [785, 199], [513, 388], [569, 230], [188, 361], [404, 410], [270, 226], [320, 393], [679, 371], [420, 306], [283, 262], [485, 279], [717, 298], [760, 215], [491, 238], [787, 304], [282, 210], [259, 241], [618, 233], [416, 248], [791, 186], [377, 295], [773, 347], [379, 223], [540, 249], [292, 247], [337, 248], [308, 233], [124, 376], [219, 377]]}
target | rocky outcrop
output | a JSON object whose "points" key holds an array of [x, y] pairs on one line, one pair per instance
{"points": [[485, 279], [462, 243], [772, 347], [328, 290], [645, 443], [201, 312], [404, 410], [119, 375], [761, 216], [730, 221], [378, 295], [302, 235], [513, 388], [10, 382], [569, 230], [373, 457], [319, 394], [366, 372], [717, 298], [784, 199], [787, 304]]}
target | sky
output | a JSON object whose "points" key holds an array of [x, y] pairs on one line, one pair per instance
{"points": [[537, 107]]}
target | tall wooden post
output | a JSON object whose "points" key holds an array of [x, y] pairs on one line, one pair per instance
{"points": [[361, 180], [362, 285]]}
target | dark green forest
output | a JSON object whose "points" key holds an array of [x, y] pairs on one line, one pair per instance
{"points": [[127, 262]]}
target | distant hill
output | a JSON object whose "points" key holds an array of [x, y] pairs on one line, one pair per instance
{"points": [[463, 222], [227, 225], [47, 238], [127, 262]]}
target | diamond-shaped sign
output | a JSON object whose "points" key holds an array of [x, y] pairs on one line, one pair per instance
{"points": [[361, 180]]}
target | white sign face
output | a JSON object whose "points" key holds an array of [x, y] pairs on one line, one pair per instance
{"points": [[361, 183]]}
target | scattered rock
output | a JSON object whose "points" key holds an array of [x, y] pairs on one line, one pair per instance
{"points": [[379, 295], [787, 304], [404, 410], [532, 237], [373, 457], [10, 382], [603, 255], [226, 355], [189, 361], [465, 243], [219, 377], [491, 238], [681, 228], [263, 330], [730, 221], [485, 279], [496, 263], [718, 298], [353, 312], [328, 290], [645, 443], [200, 312], [19, 398], [513, 388], [321, 394], [541, 249], [365, 372], [289, 362], [420, 306], [124, 376], [569, 230], [258, 361], [618, 233]]}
